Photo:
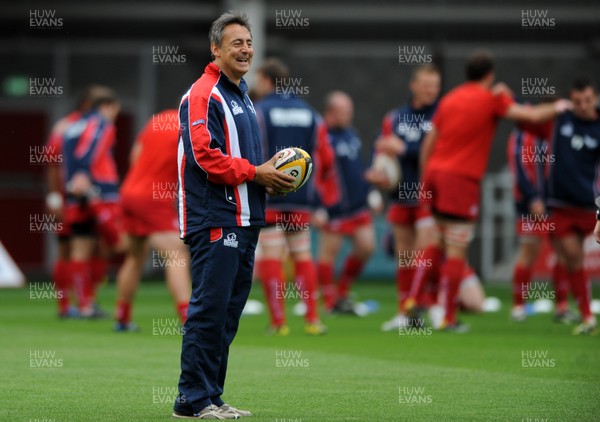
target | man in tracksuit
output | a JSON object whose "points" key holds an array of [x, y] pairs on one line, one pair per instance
{"points": [[221, 209]]}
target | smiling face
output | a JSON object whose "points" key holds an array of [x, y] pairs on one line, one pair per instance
{"points": [[234, 55]]}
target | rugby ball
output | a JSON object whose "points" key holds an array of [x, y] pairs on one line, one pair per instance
{"points": [[295, 162], [390, 167]]}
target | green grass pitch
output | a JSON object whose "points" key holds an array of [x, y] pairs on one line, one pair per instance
{"points": [[56, 370]]}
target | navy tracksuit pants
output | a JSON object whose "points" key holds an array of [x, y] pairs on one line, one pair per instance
{"points": [[222, 264]]}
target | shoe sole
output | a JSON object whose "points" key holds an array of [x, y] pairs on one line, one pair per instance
{"points": [[180, 416], [213, 416]]}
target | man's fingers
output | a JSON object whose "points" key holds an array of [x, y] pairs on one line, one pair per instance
{"points": [[268, 175], [288, 178], [284, 185]]}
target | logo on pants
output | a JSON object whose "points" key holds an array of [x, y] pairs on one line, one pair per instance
{"points": [[231, 241]]}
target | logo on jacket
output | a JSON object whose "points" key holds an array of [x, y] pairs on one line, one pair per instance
{"points": [[235, 108], [231, 240]]}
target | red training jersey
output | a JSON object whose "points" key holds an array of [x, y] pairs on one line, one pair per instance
{"points": [[153, 175], [466, 121]]}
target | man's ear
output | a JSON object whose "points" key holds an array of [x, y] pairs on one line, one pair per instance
{"points": [[214, 49]]}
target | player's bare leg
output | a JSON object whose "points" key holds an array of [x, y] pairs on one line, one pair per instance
{"points": [[128, 279], [363, 241], [570, 249], [305, 273], [177, 271], [529, 249], [270, 270], [427, 233], [471, 294], [329, 247]]}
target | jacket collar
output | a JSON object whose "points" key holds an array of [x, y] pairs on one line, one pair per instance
{"points": [[213, 69]]}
